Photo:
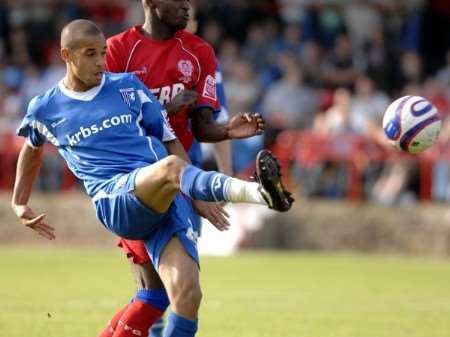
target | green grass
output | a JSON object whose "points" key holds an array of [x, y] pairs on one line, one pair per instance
{"points": [[249, 295]]}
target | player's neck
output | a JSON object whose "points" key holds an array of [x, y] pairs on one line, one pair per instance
{"points": [[72, 83], [157, 30]]}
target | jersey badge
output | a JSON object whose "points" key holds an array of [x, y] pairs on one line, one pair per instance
{"points": [[128, 96], [186, 69]]}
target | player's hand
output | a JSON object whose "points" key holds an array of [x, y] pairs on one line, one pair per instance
{"points": [[183, 100], [33, 221], [245, 124], [213, 212]]}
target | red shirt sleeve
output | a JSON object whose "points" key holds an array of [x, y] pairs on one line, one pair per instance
{"points": [[115, 61], [206, 86]]}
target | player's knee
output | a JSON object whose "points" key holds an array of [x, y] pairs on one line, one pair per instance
{"points": [[188, 294], [174, 162], [192, 297], [173, 166]]}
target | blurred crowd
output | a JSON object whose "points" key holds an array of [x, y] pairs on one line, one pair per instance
{"points": [[331, 66]]}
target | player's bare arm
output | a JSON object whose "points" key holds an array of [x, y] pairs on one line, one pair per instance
{"points": [[28, 165], [242, 125], [184, 100]]}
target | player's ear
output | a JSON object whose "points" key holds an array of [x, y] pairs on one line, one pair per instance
{"points": [[65, 54]]}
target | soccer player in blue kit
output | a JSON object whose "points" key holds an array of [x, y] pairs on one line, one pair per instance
{"points": [[114, 136]]}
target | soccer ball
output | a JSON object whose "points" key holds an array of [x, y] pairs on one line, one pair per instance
{"points": [[412, 124]]}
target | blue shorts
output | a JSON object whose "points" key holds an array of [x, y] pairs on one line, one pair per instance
{"points": [[121, 212]]}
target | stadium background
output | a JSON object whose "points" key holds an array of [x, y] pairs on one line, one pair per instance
{"points": [[321, 73]]}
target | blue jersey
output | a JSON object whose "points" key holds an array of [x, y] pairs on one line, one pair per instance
{"points": [[108, 130]]}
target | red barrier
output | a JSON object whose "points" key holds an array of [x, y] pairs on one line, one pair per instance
{"points": [[10, 146], [307, 148]]}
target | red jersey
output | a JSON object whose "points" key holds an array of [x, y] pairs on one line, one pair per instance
{"points": [[167, 67]]}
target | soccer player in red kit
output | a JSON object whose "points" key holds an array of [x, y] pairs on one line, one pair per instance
{"points": [[179, 68]]}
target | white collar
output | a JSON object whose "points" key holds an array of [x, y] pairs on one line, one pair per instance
{"points": [[88, 95]]}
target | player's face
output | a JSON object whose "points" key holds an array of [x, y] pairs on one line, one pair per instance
{"points": [[87, 61], [174, 13]]}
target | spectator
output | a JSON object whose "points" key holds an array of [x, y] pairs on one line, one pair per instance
{"points": [[229, 54], [292, 11], [410, 72], [255, 48], [260, 36], [242, 87], [367, 109], [436, 92], [361, 19], [330, 23], [53, 73], [310, 63], [110, 15], [32, 84], [398, 183], [243, 92], [339, 68], [444, 73], [285, 57], [289, 103], [290, 41], [337, 119], [368, 106], [12, 107], [212, 33]]}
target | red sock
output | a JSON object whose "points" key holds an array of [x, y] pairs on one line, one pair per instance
{"points": [[112, 324], [137, 320]]}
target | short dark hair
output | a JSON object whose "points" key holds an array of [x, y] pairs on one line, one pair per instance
{"points": [[76, 29]]}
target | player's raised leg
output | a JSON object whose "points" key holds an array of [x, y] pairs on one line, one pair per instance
{"points": [[157, 185]]}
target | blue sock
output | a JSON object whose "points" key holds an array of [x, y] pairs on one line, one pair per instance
{"points": [[203, 185], [157, 328], [155, 297], [178, 326]]}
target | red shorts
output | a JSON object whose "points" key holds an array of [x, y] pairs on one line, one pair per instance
{"points": [[135, 250]]}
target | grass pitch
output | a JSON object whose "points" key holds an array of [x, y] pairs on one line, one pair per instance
{"points": [[51, 292]]}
